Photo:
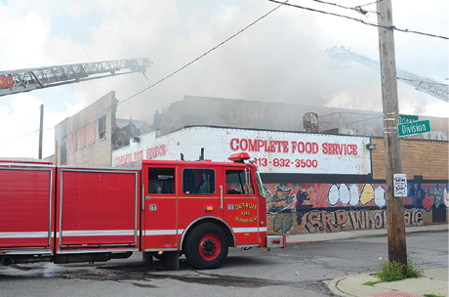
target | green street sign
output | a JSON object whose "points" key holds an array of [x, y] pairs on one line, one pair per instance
{"points": [[413, 128], [405, 118]]}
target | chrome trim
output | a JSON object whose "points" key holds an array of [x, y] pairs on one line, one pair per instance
{"points": [[32, 234], [44, 252], [90, 250], [99, 232], [221, 197], [246, 245], [162, 249], [50, 219], [136, 208], [153, 232]]}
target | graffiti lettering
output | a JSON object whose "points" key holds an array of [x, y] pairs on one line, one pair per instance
{"points": [[414, 217], [361, 220], [358, 220], [325, 221], [316, 207]]}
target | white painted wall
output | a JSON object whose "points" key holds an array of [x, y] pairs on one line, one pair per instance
{"points": [[275, 152]]}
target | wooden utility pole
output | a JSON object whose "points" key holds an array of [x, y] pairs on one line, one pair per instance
{"points": [[397, 250]]}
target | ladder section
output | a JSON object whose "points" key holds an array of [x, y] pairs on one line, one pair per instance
{"points": [[25, 80]]}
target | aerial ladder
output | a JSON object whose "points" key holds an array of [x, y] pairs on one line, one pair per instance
{"points": [[25, 80], [426, 85]]}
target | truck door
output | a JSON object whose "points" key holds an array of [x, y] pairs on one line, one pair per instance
{"points": [[241, 206], [26, 209], [159, 208], [97, 209]]}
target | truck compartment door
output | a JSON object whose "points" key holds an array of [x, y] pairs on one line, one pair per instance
{"points": [[97, 209], [26, 209]]}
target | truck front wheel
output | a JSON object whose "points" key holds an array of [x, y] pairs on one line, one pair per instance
{"points": [[206, 246]]}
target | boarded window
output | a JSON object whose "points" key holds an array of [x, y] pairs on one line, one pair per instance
{"points": [[74, 141], [82, 137], [91, 133], [64, 151]]}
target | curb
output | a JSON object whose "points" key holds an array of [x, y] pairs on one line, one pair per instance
{"points": [[342, 235], [332, 285]]}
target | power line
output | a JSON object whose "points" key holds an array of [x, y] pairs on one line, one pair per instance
{"points": [[206, 53], [371, 3], [22, 137], [26, 135], [357, 8], [360, 20]]}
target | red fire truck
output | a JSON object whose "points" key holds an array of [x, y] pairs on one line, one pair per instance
{"points": [[66, 214]]}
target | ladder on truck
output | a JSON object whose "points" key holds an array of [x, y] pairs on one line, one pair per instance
{"points": [[426, 85], [25, 80]]}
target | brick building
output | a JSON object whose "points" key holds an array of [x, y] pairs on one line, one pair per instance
{"points": [[334, 198], [85, 137]]}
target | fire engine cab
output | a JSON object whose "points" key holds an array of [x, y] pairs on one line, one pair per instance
{"points": [[65, 214]]}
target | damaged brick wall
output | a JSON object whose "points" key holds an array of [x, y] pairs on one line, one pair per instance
{"points": [[85, 137]]}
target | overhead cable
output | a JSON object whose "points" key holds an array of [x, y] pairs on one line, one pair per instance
{"points": [[357, 8], [360, 20], [206, 53]]}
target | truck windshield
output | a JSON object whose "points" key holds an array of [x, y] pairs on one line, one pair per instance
{"points": [[260, 185]]}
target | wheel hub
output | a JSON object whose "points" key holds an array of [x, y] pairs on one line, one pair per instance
{"points": [[209, 247]]}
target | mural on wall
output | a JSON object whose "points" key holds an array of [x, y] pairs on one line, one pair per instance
{"points": [[334, 221], [281, 201], [337, 207], [427, 197], [303, 205]]}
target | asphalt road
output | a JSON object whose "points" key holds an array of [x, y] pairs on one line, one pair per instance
{"points": [[301, 270]]}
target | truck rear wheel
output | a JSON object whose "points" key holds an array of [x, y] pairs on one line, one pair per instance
{"points": [[206, 246]]}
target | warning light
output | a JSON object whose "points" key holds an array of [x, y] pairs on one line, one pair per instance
{"points": [[239, 157], [208, 208]]}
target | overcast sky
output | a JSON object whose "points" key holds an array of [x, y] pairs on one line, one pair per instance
{"points": [[282, 58]]}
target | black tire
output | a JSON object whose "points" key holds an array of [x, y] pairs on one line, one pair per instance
{"points": [[206, 246], [147, 258]]}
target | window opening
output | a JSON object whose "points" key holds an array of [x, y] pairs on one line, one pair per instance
{"points": [[236, 182], [262, 190], [161, 180], [198, 181], [102, 127], [64, 151]]}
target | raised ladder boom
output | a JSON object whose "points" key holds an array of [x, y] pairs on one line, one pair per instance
{"points": [[426, 85], [25, 80]]}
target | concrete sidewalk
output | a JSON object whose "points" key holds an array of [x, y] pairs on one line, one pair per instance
{"points": [[434, 281]]}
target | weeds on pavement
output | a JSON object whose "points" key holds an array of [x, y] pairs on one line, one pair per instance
{"points": [[394, 271]]}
